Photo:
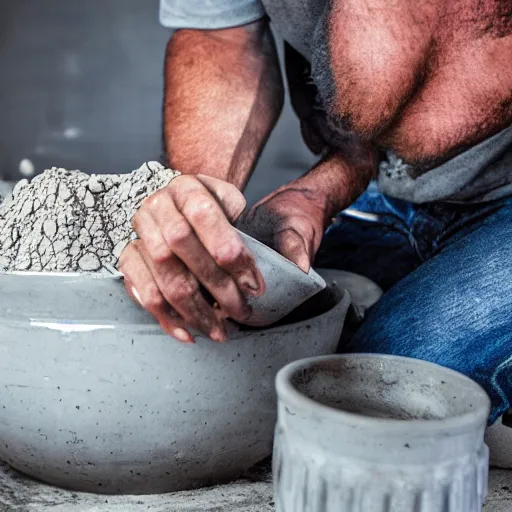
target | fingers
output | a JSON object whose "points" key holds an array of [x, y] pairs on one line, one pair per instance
{"points": [[293, 246], [176, 283], [215, 232], [181, 239], [141, 286], [186, 240], [287, 222]]}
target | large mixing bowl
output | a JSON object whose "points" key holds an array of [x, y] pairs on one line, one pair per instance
{"points": [[95, 397]]}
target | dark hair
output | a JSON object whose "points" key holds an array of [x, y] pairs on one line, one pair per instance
{"points": [[322, 72], [323, 77]]}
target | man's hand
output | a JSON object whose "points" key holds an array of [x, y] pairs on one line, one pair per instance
{"points": [[293, 219], [290, 220], [186, 241]]}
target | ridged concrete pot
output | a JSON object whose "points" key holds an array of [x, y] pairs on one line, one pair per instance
{"points": [[361, 433], [95, 397]]}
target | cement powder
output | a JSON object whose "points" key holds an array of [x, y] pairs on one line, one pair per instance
{"points": [[69, 221]]}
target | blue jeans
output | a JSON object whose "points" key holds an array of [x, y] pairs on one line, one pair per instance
{"points": [[447, 274]]}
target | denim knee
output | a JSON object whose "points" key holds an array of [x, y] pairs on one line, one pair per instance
{"points": [[453, 329]]}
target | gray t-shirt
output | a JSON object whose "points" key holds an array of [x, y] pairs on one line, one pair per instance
{"points": [[209, 14], [482, 173]]}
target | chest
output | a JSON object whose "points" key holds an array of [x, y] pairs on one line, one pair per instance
{"points": [[461, 94], [296, 20]]}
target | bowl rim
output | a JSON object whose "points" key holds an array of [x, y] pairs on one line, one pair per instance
{"points": [[341, 303], [288, 394]]}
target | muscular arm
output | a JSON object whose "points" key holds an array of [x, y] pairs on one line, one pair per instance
{"points": [[223, 96], [340, 178]]}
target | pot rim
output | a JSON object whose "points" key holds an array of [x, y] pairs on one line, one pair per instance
{"points": [[288, 394]]}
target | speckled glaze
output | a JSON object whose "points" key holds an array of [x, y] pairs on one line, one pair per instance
{"points": [[94, 397], [361, 433]]}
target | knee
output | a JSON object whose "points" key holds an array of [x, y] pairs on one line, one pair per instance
{"points": [[463, 332]]}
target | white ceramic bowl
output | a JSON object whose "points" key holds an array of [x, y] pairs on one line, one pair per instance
{"points": [[95, 397]]}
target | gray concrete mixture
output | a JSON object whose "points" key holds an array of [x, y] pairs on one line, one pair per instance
{"points": [[69, 221]]}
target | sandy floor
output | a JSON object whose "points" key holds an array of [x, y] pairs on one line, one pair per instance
{"points": [[500, 492]]}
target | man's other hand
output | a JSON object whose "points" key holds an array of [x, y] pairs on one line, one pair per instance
{"points": [[290, 220]]}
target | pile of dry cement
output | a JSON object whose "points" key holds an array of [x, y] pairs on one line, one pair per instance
{"points": [[69, 221]]}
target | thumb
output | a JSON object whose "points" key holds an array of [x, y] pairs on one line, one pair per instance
{"points": [[293, 246]]}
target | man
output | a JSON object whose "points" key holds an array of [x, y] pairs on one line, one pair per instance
{"points": [[418, 95]]}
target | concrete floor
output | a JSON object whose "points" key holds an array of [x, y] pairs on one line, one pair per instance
{"points": [[500, 492], [251, 494]]}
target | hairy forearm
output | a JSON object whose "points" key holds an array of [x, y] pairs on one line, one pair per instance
{"points": [[223, 96], [339, 179]]}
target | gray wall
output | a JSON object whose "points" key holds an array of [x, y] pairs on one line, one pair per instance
{"points": [[81, 87]]}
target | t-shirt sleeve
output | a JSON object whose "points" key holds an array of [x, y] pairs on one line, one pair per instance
{"points": [[209, 14]]}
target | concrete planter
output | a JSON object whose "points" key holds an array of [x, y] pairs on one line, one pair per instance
{"points": [[359, 433], [95, 397]]}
